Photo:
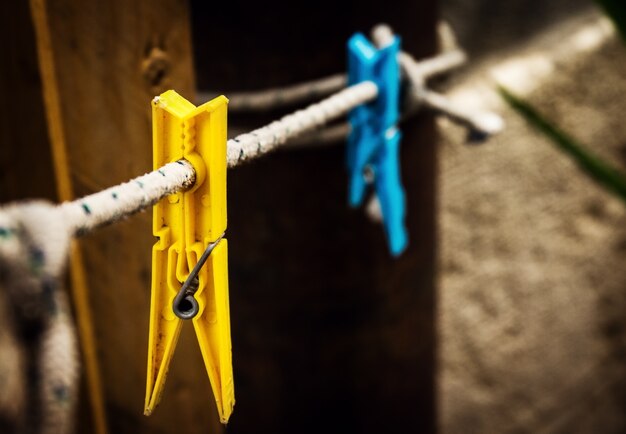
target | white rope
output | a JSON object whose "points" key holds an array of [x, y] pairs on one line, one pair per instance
{"points": [[444, 62], [265, 139], [36, 320], [419, 97], [115, 203], [274, 98], [285, 96], [416, 74], [485, 123], [279, 97]]}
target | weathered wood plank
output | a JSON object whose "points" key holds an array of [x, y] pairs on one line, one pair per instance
{"points": [[329, 333], [108, 60], [25, 161]]}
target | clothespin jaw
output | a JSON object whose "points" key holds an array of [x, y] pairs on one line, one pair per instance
{"points": [[374, 138], [185, 224]]}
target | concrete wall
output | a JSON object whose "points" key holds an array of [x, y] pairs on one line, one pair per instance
{"points": [[532, 298]]}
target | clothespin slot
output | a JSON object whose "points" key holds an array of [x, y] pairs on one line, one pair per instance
{"points": [[373, 144], [185, 305], [191, 247]]}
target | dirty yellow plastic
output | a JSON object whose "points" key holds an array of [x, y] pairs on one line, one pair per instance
{"points": [[185, 223]]}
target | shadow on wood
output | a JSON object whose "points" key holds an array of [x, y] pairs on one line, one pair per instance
{"points": [[329, 333]]}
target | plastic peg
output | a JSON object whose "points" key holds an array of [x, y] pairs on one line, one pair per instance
{"points": [[373, 145], [190, 226]]}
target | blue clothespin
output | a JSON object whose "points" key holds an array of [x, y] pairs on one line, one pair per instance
{"points": [[374, 139]]}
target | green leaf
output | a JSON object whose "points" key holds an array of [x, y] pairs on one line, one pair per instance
{"points": [[616, 10], [595, 167]]}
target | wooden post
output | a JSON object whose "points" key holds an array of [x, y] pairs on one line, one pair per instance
{"points": [[102, 63], [25, 161], [329, 332]]}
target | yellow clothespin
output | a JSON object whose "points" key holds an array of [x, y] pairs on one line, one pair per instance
{"points": [[190, 226]]}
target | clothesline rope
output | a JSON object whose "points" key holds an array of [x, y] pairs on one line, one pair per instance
{"points": [[110, 205], [451, 57], [415, 73], [115, 203], [267, 138], [273, 98]]}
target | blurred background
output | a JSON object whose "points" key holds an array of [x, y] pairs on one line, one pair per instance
{"points": [[507, 314]]}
